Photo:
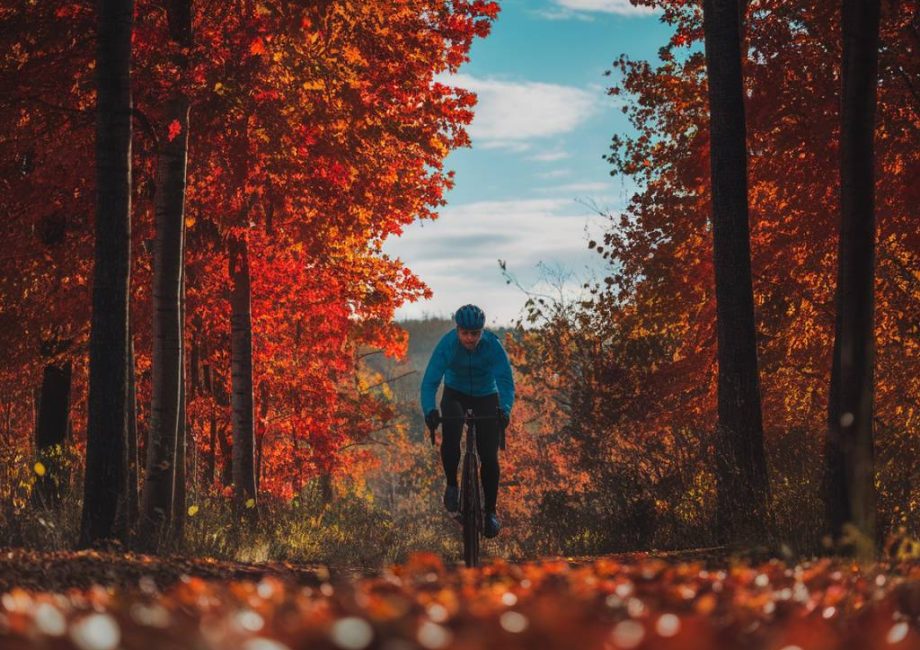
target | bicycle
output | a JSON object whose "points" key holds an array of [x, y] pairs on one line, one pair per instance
{"points": [[471, 503]]}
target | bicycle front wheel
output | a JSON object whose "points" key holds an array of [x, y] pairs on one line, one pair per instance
{"points": [[471, 510]]}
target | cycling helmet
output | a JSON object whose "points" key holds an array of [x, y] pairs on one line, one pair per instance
{"points": [[470, 317]]}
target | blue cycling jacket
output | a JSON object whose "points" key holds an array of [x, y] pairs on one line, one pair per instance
{"points": [[478, 372]]}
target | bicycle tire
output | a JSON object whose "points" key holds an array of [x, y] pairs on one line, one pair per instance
{"points": [[471, 511], [471, 499]]}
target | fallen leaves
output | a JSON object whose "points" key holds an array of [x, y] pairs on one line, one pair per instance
{"points": [[618, 602]]}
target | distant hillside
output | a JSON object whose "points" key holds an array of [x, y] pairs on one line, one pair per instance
{"points": [[425, 334]]}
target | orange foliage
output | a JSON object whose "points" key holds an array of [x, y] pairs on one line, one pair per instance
{"points": [[316, 132], [652, 323]]}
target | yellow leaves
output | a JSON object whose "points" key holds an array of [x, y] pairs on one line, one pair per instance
{"points": [[39, 468], [438, 146], [192, 510], [352, 54], [250, 503], [313, 84], [189, 221], [902, 547], [260, 135]]}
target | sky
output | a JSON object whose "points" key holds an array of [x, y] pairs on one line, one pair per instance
{"points": [[526, 190]]}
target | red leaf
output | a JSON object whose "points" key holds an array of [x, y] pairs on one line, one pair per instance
{"points": [[174, 129]]}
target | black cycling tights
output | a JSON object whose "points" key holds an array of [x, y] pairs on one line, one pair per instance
{"points": [[453, 405]]}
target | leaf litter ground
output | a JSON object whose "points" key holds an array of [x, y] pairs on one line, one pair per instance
{"points": [[102, 601]]}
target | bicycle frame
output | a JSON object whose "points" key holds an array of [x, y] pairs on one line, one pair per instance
{"points": [[471, 491]]}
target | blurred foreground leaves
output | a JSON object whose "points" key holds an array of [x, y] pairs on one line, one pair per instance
{"points": [[101, 600]]}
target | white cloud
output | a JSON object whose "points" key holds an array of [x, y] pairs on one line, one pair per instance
{"points": [[555, 173], [512, 114], [457, 255], [550, 156], [576, 187], [621, 7], [563, 14]]}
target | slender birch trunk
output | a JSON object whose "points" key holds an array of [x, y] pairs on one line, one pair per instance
{"points": [[162, 451], [181, 482]]}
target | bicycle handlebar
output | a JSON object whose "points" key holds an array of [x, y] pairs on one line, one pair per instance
{"points": [[472, 418]]}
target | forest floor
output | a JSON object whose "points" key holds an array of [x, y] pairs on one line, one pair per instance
{"points": [[95, 600]]}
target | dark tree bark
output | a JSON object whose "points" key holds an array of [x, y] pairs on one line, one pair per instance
{"points": [[849, 454], [224, 442], [260, 437], [226, 456], [108, 348], [127, 514], [212, 454], [163, 444], [51, 432], [244, 486], [741, 472]]}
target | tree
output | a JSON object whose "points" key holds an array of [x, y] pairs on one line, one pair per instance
{"points": [[165, 426], [244, 478], [108, 385], [324, 120], [850, 482], [51, 431], [742, 473]]}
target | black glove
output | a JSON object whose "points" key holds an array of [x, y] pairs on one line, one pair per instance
{"points": [[503, 418], [432, 420]]}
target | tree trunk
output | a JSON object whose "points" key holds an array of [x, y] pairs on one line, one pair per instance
{"points": [[849, 456], [50, 433], [212, 455], [163, 445], [260, 437], [244, 487], [226, 456], [132, 464], [181, 491], [126, 516], [159, 486], [327, 493], [108, 348], [223, 436], [741, 476]]}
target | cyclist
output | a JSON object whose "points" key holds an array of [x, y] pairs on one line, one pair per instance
{"points": [[476, 376]]}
